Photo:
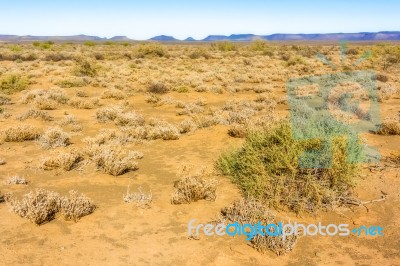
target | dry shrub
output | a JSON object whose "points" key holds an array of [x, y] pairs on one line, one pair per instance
{"points": [[4, 99], [65, 160], [80, 103], [2, 161], [387, 92], [193, 187], [237, 131], [113, 94], [187, 126], [36, 114], [19, 133], [45, 104], [85, 67], [160, 129], [76, 206], [153, 98], [158, 88], [54, 137], [141, 198], [1, 198], [39, 206], [129, 119], [250, 211], [16, 180], [389, 128], [108, 113], [13, 83], [114, 161], [394, 159], [53, 95]]}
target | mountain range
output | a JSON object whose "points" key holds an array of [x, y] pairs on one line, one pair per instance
{"points": [[361, 36]]}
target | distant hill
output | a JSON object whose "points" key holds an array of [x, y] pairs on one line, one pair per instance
{"points": [[164, 38], [361, 36]]}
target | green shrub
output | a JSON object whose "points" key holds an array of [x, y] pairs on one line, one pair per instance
{"points": [[13, 83], [267, 168], [85, 68], [89, 43]]}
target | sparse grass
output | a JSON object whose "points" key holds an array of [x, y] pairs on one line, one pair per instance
{"points": [[13, 83], [140, 198], [16, 180], [64, 160], [54, 137], [19, 133], [76, 206], [193, 187], [250, 211], [267, 168]]}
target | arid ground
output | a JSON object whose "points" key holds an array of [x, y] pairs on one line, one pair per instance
{"points": [[113, 120]]}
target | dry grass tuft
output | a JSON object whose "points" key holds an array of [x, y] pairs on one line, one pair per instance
{"points": [[113, 94], [76, 206], [191, 188], [250, 211], [54, 137], [141, 198], [65, 160], [16, 180], [158, 88], [36, 114], [19, 133]]}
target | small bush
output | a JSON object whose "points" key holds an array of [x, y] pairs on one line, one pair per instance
{"points": [[54, 137], [129, 119], [114, 94], [191, 188], [389, 128], [80, 103], [76, 206], [39, 206], [251, 211], [158, 88], [224, 46], [72, 83], [37, 114], [19, 133], [13, 83], [85, 67], [108, 113], [16, 180], [116, 162], [65, 160], [89, 43], [150, 50]]}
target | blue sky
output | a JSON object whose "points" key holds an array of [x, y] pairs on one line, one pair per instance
{"points": [[145, 19]]}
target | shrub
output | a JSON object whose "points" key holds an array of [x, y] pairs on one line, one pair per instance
{"points": [[108, 113], [76, 206], [114, 94], [250, 211], [199, 52], [16, 180], [65, 160], [259, 45], [80, 103], [158, 88], [37, 114], [54, 137], [38, 206], [19, 133], [56, 95], [13, 83], [191, 188], [71, 83], [129, 119], [45, 104], [267, 168], [89, 43], [389, 128], [4, 99], [85, 67], [116, 162], [150, 50], [224, 46]]}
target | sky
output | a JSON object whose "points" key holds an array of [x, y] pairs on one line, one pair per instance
{"points": [[145, 19]]}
